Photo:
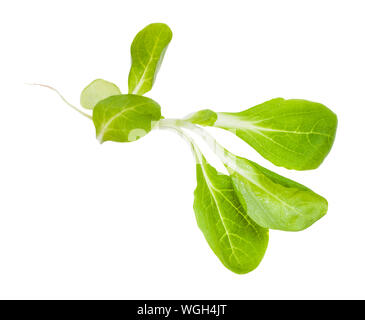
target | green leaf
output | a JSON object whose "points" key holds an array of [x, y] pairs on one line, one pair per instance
{"points": [[204, 117], [125, 118], [295, 134], [147, 51], [238, 241], [273, 201], [96, 91]]}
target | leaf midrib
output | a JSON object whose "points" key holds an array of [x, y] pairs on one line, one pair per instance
{"points": [[141, 80], [119, 114], [211, 187], [247, 125], [245, 176]]}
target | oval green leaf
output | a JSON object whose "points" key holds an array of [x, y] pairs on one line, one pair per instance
{"points": [[125, 118], [238, 242], [96, 91], [204, 117], [273, 201], [295, 134], [147, 51]]}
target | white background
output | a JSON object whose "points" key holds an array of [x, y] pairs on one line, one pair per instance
{"points": [[83, 220]]}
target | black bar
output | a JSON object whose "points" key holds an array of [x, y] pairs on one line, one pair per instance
{"points": [[165, 309]]}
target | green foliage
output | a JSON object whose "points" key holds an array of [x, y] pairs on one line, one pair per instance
{"points": [[96, 91], [273, 201], [233, 211], [295, 134], [204, 117], [147, 51], [237, 241], [125, 117]]}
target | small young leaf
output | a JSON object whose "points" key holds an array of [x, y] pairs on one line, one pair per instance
{"points": [[147, 51], [125, 118], [295, 134], [204, 117], [238, 241], [96, 91], [273, 201]]}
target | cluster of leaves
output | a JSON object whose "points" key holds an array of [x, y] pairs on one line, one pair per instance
{"points": [[235, 210]]}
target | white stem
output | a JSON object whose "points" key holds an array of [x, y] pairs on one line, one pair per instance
{"points": [[223, 154], [55, 90], [195, 149]]}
